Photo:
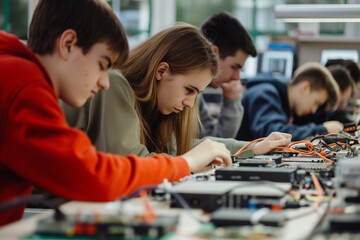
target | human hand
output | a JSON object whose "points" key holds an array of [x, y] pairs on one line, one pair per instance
{"points": [[333, 126], [206, 153], [232, 90], [275, 139]]}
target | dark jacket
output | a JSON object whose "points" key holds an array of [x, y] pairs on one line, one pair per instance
{"points": [[266, 109]]}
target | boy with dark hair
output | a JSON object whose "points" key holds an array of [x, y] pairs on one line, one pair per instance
{"points": [[273, 104], [74, 44], [350, 65], [232, 45]]}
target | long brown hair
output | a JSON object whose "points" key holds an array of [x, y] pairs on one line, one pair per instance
{"points": [[185, 49]]}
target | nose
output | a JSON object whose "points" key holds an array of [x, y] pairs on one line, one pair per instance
{"points": [[189, 101], [236, 75], [103, 82]]}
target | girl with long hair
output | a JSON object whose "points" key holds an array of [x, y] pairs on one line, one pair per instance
{"points": [[149, 106]]}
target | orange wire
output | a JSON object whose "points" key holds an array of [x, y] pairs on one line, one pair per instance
{"points": [[312, 153], [241, 149], [149, 215], [338, 134], [318, 189]]}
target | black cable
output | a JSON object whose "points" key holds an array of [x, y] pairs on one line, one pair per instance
{"points": [[316, 137], [59, 215], [326, 145]]}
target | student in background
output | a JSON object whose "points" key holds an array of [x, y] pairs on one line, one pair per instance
{"points": [[273, 104], [232, 45], [347, 89], [150, 107], [350, 65], [72, 50], [354, 71]]}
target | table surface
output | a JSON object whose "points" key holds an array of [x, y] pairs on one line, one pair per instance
{"points": [[297, 228]]}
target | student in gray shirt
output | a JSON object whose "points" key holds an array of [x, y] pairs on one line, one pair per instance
{"points": [[232, 45]]}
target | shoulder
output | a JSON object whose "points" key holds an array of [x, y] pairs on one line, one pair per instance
{"points": [[261, 89], [119, 90]]}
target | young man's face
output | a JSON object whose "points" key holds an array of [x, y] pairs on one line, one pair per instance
{"points": [[177, 91], [230, 68], [84, 75], [309, 101]]}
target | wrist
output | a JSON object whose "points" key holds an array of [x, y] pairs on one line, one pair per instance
{"points": [[256, 151]]}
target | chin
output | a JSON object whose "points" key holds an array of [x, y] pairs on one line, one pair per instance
{"points": [[165, 112], [78, 104]]}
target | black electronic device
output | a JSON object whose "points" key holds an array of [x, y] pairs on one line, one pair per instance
{"points": [[260, 160], [284, 154], [344, 222], [209, 196], [107, 226], [253, 162], [238, 217], [335, 139], [256, 174]]}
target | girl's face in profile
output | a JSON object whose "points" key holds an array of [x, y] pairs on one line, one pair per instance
{"points": [[177, 91]]}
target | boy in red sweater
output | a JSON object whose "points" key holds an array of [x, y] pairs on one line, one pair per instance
{"points": [[74, 44]]}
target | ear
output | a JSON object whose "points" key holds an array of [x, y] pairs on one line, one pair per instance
{"points": [[305, 87], [67, 43], [216, 50], [161, 69]]}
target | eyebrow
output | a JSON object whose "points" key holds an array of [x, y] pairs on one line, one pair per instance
{"points": [[195, 88], [238, 66], [109, 61]]}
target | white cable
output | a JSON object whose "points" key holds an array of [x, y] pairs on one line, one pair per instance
{"points": [[257, 215]]}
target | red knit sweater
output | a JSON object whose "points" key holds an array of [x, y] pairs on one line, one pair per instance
{"points": [[37, 147]]}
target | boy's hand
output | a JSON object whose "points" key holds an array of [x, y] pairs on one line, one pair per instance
{"points": [[275, 139], [232, 90], [206, 153], [333, 126]]}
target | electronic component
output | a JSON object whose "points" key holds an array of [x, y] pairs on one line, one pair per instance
{"points": [[210, 196], [260, 160], [238, 217], [284, 154], [256, 174], [348, 180], [350, 127], [344, 222], [310, 166], [304, 159], [253, 162], [273, 158], [305, 162], [336, 139], [107, 226]]}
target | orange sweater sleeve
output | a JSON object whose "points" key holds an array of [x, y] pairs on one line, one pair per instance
{"points": [[37, 147], [40, 148]]}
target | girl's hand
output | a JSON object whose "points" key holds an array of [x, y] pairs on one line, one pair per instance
{"points": [[206, 153], [275, 139]]}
